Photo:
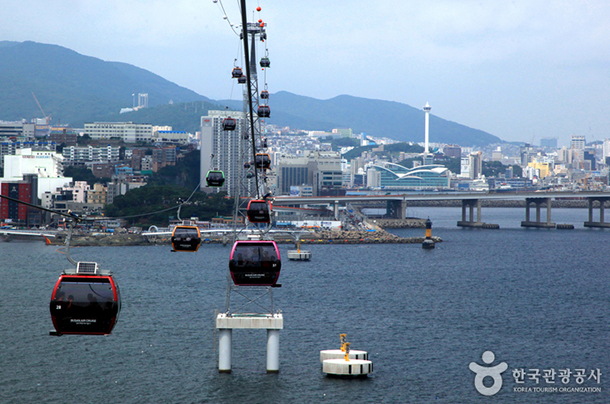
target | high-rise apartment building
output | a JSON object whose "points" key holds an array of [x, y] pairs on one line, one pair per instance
{"points": [[578, 145], [227, 148]]}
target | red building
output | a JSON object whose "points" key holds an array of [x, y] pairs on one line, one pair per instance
{"points": [[16, 211]]}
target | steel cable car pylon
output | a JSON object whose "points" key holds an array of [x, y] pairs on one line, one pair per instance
{"points": [[250, 199], [256, 281]]}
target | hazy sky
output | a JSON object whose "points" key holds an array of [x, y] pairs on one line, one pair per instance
{"points": [[521, 70]]}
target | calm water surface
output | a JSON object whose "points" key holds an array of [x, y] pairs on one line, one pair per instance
{"points": [[537, 298]]}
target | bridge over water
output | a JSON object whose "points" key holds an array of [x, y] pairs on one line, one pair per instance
{"points": [[471, 204]]}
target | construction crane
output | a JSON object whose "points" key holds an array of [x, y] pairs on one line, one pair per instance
{"points": [[47, 118]]}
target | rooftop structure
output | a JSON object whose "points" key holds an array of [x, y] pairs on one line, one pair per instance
{"points": [[425, 176]]}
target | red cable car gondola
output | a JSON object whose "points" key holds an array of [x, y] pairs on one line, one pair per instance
{"points": [[263, 161], [237, 72], [85, 301], [264, 95], [259, 211], [242, 80], [186, 238], [229, 123], [255, 263], [263, 111]]}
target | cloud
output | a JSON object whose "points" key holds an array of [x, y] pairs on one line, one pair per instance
{"points": [[495, 65]]}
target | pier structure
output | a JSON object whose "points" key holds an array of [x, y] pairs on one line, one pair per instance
{"points": [[397, 204], [538, 223], [246, 309], [600, 223], [226, 323], [470, 204], [397, 209]]}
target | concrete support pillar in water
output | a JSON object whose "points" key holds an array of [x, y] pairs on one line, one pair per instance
{"points": [[273, 351], [600, 223], [538, 202], [225, 324], [471, 221], [225, 348]]}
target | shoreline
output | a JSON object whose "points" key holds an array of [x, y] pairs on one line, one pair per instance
{"points": [[378, 236]]}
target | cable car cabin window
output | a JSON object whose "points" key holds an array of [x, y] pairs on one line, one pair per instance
{"points": [[215, 178], [186, 238], [263, 161], [85, 305], [255, 263]]}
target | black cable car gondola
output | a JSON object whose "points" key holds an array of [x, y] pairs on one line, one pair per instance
{"points": [[85, 300], [229, 123], [259, 211], [255, 263], [263, 111], [215, 178], [186, 238], [264, 95], [237, 72], [263, 161], [265, 62], [242, 80]]}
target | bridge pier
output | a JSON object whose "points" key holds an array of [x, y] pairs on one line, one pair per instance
{"points": [[397, 209], [538, 223], [601, 222], [470, 204]]}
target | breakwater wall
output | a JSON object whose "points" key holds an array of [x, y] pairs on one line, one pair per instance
{"points": [[379, 236], [399, 223]]}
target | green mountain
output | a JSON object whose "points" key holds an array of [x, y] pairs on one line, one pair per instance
{"points": [[374, 117], [74, 89]]}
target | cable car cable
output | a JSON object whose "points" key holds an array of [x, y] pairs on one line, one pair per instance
{"points": [[69, 215], [244, 24], [224, 13]]}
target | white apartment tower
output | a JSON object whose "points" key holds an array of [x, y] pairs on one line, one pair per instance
{"points": [[578, 146], [227, 149]]}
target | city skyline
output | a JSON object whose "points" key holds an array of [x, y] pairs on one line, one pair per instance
{"points": [[521, 71]]}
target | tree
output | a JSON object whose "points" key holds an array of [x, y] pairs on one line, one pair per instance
{"points": [[83, 140], [185, 173], [493, 168], [517, 171], [83, 174], [156, 204]]}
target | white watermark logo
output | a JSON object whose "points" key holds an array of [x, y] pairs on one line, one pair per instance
{"points": [[481, 372]]}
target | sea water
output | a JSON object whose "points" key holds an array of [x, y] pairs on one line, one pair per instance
{"points": [[537, 298]]}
